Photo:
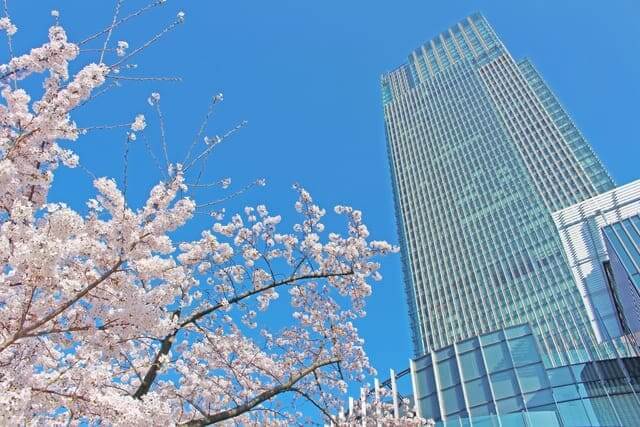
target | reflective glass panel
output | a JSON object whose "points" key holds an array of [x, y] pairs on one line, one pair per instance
{"points": [[513, 404], [452, 399], [492, 338], [566, 392], [425, 382], [478, 391], [524, 350], [429, 406], [448, 372], [532, 377], [560, 376], [538, 398], [504, 384], [573, 414], [517, 331], [543, 418], [471, 364], [497, 357]]}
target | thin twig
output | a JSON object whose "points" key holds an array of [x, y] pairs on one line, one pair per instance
{"points": [[163, 138], [164, 79], [97, 94], [210, 147], [232, 195], [203, 125], [208, 185], [153, 156], [9, 40], [113, 23], [121, 21], [148, 43], [104, 127], [125, 170]]}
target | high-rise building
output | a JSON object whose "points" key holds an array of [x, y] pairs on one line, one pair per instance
{"points": [[481, 154]]}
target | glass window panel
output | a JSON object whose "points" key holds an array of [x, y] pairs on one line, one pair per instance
{"points": [[423, 362], [524, 350], [507, 406], [633, 231], [445, 353], [452, 400], [468, 345], [517, 331], [538, 398], [631, 250], [504, 384], [633, 366], [471, 364], [601, 412], [429, 407], [512, 420], [573, 414], [617, 386], [532, 377], [591, 389], [492, 338], [448, 373], [583, 372], [480, 410], [478, 391], [620, 250], [610, 369], [560, 376], [547, 418], [497, 357], [627, 409], [566, 392], [425, 382], [485, 421]]}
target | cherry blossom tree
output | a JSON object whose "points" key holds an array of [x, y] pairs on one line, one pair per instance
{"points": [[107, 318]]}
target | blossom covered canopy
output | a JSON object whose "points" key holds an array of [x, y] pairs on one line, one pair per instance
{"points": [[106, 317]]}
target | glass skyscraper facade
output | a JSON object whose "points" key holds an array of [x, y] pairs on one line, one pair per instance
{"points": [[481, 154]]}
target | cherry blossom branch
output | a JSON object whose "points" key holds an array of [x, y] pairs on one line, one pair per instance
{"points": [[106, 40], [214, 100], [62, 331], [313, 402], [167, 342], [59, 393], [21, 333], [252, 292], [162, 79], [260, 398], [163, 137], [121, 21], [149, 42], [213, 144], [256, 183]]}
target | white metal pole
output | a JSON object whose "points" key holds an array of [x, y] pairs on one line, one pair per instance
{"points": [[394, 391], [376, 385]]}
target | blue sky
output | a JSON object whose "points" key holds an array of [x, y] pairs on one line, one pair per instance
{"points": [[306, 77]]}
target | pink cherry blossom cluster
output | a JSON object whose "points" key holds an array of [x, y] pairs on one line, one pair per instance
{"points": [[105, 317]]}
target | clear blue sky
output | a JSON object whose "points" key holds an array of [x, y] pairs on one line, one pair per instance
{"points": [[306, 77]]}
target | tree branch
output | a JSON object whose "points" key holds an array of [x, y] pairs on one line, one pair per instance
{"points": [[252, 292], [166, 343], [260, 398], [28, 331]]}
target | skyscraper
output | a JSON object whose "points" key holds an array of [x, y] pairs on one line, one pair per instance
{"points": [[481, 154]]}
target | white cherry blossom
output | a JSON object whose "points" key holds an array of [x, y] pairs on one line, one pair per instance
{"points": [[106, 317]]}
